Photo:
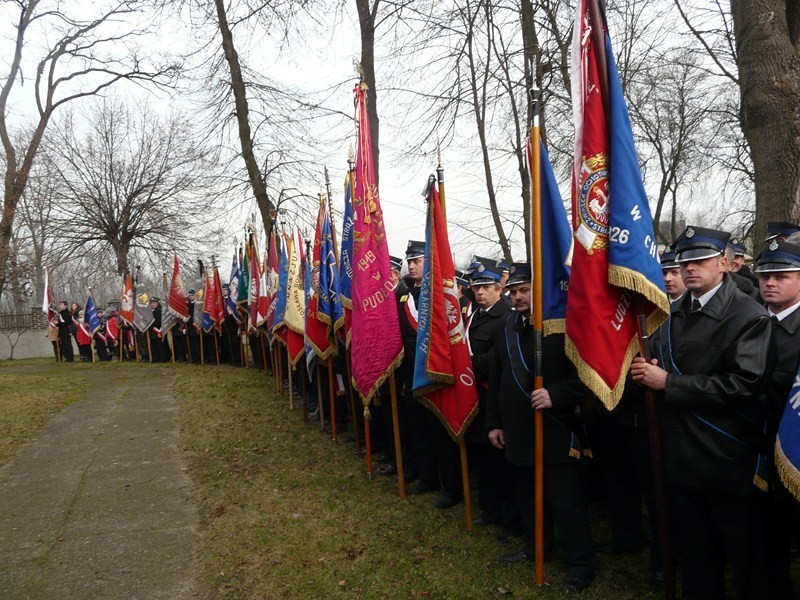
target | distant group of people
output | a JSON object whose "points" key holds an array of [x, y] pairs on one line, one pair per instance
{"points": [[721, 369]]}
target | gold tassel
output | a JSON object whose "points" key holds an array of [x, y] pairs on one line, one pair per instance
{"points": [[574, 453], [788, 473]]}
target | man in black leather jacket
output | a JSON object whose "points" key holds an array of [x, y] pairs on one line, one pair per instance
{"points": [[711, 361], [778, 269]]}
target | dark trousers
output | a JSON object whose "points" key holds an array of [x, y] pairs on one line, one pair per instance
{"points": [[783, 521], [714, 527], [193, 347], [67, 352], [421, 441], [566, 506], [628, 478], [495, 479]]}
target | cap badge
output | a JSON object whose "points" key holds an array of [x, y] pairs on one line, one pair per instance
{"points": [[690, 233], [774, 245]]}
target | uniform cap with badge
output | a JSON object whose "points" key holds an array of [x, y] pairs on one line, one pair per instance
{"points": [[415, 249], [519, 272], [778, 256], [700, 243], [780, 230], [485, 274], [396, 263], [668, 259]]}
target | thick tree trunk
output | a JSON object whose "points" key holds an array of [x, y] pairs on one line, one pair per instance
{"points": [[768, 56], [238, 87], [366, 21]]}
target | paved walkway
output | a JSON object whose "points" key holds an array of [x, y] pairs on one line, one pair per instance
{"points": [[97, 505]]}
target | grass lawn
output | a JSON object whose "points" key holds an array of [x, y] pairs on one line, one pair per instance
{"points": [[31, 390], [285, 513]]}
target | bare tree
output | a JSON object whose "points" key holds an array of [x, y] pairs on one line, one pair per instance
{"points": [[131, 181], [83, 57]]}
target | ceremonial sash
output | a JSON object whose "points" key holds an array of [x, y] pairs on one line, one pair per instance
{"points": [[412, 313]]}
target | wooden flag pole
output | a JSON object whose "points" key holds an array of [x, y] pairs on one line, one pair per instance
{"points": [[320, 401], [278, 374], [189, 343], [202, 351], [58, 348], [657, 465], [398, 448], [149, 347], [135, 345], [172, 345], [261, 336], [216, 344], [353, 402], [305, 396], [537, 311], [332, 396], [289, 377], [462, 445]]}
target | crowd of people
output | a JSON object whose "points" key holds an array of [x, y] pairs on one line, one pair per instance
{"points": [[721, 369]]}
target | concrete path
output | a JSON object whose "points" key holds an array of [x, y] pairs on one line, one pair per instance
{"points": [[97, 505]]}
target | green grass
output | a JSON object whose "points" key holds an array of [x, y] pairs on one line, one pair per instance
{"points": [[285, 513], [30, 391]]}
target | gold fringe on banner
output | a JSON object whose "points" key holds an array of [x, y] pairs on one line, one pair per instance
{"points": [[366, 398], [789, 474], [551, 326], [609, 397]]}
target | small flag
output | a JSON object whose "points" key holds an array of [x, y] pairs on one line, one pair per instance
{"points": [[176, 303], [168, 319], [231, 302]]}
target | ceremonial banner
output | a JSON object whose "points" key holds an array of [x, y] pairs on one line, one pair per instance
{"points": [[231, 302], [310, 352], [243, 290], [556, 247], [295, 315], [213, 309], [168, 320], [143, 314], [254, 289], [112, 327], [376, 347], [346, 259], [90, 317], [126, 300], [176, 303], [199, 296], [280, 299], [443, 377], [616, 273], [271, 283], [324, 312], [49, 301], [787, 446]]}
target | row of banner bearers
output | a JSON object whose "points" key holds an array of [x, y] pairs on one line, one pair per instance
{"points": [[494, 297], [527, 371]]}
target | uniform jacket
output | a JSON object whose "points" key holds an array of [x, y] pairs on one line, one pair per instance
{"points": [[713, 414], [508, 403], [65, 322], [786, 347], [482, 330], [408, 331], [155, 328]]}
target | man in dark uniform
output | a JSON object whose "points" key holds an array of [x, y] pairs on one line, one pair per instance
{"points": [[64, 333], [495, 488], [780, 230], [510, 405], [192, 334], [416, 432], [157, 345], [778, 268], [711, 361], [230, 349]]}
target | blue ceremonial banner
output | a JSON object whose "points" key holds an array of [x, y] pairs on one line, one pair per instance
{"points": [[283, 281], [346, 256], [556, 249], [310, 352], [633, 260], [231, 302], [329, 306], [787, 446], [90, 317]]}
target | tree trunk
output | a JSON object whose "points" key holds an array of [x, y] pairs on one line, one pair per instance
{"points": [[768, 58], [366, 21], [254, 174]]}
